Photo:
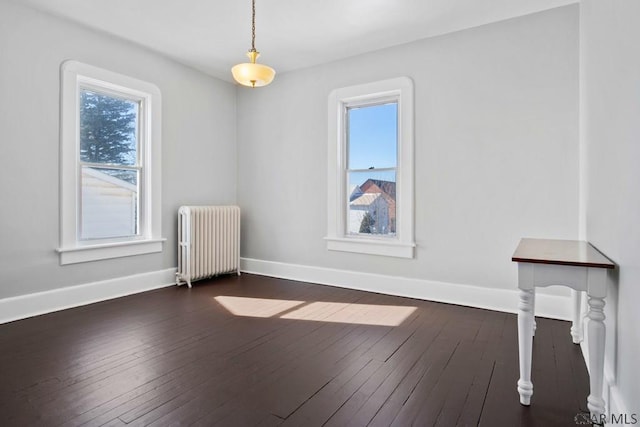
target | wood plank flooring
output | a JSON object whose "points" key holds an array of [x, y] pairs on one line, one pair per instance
{"points": [[258, 351]]}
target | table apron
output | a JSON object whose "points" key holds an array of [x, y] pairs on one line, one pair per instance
{"points": [[589, 279]]}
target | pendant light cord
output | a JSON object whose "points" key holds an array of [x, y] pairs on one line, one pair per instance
{"points": [[253, 25]]}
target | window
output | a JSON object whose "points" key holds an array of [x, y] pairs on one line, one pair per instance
{"points": [[110, 165], [372, 144], [370, 176]]}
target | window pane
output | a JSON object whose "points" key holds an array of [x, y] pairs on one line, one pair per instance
{"points": [[373, 136], [372, 203], [109, 203], [108, 129]]}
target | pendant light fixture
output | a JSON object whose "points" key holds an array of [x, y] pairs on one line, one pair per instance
{"points": [[250, 73]]}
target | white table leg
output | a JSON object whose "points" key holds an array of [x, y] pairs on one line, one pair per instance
{"points": [[596, 332], [525, 339], [533, 313], [576, 327]]}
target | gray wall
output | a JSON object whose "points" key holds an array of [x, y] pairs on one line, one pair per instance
{"points": [[610, 103], [496, 151], [198, 150]]}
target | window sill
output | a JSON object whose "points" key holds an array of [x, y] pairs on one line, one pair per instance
{"points": [[371, 246], [86, 253]]}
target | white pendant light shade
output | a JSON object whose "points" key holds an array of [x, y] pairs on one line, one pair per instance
{"points": [[252, 74]]}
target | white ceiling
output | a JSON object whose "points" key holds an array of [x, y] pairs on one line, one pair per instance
{"points": [[213, 35]]}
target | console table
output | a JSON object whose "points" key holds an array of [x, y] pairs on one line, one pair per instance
{"points": [[578, 265]]}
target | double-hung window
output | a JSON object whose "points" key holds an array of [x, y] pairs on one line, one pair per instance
{"points": [[370, 176], [110, 165]]}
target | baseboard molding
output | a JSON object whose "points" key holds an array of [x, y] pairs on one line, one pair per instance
{"points": [[505, 300], [23, 306], [616, 404]]}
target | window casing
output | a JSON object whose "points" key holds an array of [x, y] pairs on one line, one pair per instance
{"points": [[109, 165], [370, 198]]}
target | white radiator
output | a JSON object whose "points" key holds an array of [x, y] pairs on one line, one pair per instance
{"points": [[208, 242]]}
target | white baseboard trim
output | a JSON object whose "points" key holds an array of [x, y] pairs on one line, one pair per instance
{"points": [[505, 300], [23, 306], [616, 405]]}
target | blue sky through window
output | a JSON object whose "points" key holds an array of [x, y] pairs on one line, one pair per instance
{"points": [[372, 139]]}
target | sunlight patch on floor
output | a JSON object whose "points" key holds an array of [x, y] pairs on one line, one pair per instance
{"points": [[319, 311], [359, 314], [256, 307]]}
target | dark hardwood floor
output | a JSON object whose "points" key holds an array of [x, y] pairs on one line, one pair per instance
{"points": [[252, 350]]}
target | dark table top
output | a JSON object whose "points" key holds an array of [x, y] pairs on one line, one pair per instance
{"points": [[561, 252]]}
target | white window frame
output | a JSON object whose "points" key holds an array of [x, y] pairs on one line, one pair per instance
{"points": [[75, 75], [402, 244]]}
